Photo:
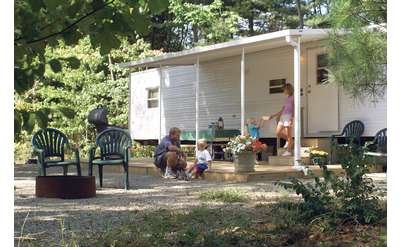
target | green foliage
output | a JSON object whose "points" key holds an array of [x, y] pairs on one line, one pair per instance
{"points": [[142, 151], [338, 198], [190, 151], [39, 25], [226, 196], [209, 23], [63, 100], [357, 60]]}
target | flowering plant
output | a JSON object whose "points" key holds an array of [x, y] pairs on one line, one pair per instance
{"points": [[318, 157], [318, 153], [241, 144]]}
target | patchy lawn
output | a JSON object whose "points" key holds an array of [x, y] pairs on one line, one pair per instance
{"points": [[159, 212], [265, 225]]}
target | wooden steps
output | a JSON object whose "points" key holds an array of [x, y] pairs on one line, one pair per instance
{"points": [[285, 160], [280, 160]]}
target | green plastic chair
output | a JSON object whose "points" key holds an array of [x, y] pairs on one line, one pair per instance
{"points": [[351, 133], [114, 144], [49, 145]]}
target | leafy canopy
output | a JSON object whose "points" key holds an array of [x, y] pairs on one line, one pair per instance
{"points": [[64, 99], [43, 23]]}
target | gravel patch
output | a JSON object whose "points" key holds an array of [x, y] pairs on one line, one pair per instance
{"points": [[51, 220]]}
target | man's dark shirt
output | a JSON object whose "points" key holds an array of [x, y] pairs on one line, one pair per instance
{"points": [[162, 148]]}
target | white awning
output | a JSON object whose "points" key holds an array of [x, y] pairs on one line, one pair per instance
{"points": [[228, 49]]}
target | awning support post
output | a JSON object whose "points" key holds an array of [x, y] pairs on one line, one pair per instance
{"points": [[294, 41], [197, 98], [242, 92], [160, 102]]}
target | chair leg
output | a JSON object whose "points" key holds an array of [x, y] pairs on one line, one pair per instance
{"points": [[101, 175], [78, 168], [43, 170], [90, 170], [126, 172], [65, 170]]}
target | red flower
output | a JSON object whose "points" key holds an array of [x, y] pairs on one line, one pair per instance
{"points": [[258, 146]]}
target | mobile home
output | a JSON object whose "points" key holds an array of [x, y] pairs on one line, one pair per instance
{"points": [[243, 78]]}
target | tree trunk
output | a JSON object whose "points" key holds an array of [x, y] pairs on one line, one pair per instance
{"points": [[110, 65], [251, 25], [195, 34], [301, 20]]}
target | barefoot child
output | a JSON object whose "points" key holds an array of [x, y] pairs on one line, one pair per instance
{"points": [[253, 126], [285, 116], [202, 162]]}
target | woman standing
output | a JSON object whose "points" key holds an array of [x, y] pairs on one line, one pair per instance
{"points": [[285, 124]]}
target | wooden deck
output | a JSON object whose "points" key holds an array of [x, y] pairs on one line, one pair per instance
{"points": [[224, 171]]}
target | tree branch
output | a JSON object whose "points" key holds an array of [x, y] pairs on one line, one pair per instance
{"points": [[69, 26]]}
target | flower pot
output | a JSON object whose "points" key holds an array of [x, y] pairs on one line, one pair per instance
{"points": [[244, 162]]}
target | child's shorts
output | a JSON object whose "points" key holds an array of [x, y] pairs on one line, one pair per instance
{"points": [[202, 167]]}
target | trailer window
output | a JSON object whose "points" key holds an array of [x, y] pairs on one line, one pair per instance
{"points": [[322, 72], [152, 97], [276, 85]]}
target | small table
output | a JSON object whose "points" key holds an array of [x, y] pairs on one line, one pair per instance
{"points": [[211, 135]]}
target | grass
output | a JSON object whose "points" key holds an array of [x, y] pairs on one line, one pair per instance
{"points": [[225, 196], [269, 225]]}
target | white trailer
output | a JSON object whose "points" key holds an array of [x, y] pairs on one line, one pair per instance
{"points": [[241, 79]]}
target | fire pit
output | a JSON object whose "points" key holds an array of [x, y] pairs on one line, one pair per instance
{"points": [[65, 187]]}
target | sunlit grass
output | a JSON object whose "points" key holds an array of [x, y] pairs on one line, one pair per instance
{"points": [[226, 196]]}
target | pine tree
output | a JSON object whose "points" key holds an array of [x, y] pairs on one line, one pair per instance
{"points": [[358, 58]]}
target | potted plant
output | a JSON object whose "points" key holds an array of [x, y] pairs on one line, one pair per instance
{"points": [[318, 157], [243, 149]]}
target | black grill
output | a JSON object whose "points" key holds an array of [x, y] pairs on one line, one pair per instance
{"points": [[98, 117]]}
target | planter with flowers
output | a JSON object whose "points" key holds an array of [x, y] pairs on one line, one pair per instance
{"points": [[244, 149], [318, 157]]}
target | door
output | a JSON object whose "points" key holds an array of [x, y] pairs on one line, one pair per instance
{"points": [[322, 96]]}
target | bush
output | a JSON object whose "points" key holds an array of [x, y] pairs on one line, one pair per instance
{"points": [[349, 198], [142, 151], [23, 149], [190, 151]]}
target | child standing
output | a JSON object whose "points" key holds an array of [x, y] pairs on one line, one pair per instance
{"points": [[202, 162], [253, 126]]}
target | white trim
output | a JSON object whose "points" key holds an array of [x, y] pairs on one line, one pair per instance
{"points": [[242, 92], [242, 42], [159, 102], [197, 98], [129, 106], [295, 42]]}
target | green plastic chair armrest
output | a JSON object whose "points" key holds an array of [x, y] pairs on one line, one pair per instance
{"points": [[126, 154], [40, 154]]}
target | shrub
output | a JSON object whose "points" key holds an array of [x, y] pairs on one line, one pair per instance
{"points": [[340, 198], [190, 151], [142, 151]]}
